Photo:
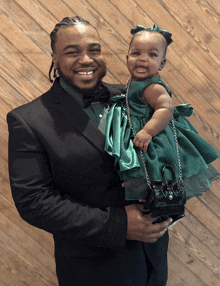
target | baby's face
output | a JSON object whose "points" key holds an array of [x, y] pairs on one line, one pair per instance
{"points": [[146, 55]]}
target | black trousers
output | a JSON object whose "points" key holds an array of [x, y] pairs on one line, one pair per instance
{"points": [[125, 268]]}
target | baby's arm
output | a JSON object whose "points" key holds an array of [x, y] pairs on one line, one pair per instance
{"points": [[157, 97]]}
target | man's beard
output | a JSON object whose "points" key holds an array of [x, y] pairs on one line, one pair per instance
{"points": [[80, 90]]}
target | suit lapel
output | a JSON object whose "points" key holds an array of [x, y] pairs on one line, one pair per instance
{"points": [[72, 111]]}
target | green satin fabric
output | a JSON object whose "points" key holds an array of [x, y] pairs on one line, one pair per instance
{"points": [[195, 152]]}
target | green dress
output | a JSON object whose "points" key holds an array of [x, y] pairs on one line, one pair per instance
{"points": [[195, 153]]}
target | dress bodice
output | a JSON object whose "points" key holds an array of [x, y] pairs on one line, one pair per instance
{"points": [[137, 106]]}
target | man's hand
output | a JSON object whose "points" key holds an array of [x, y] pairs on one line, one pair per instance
{"points": [[140, 227], [142, 139]]}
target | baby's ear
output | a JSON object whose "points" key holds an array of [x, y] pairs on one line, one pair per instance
{"points": [[162, 65]]}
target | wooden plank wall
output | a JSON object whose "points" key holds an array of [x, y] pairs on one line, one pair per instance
{"points": [[192, 73]]}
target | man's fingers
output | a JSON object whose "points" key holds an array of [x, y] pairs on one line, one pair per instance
{"points": [[140, 226]]}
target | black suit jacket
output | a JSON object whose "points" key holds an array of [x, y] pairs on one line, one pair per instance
{"points": [[64, 182]]}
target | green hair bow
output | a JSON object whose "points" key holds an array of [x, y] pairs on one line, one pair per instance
{"points": [[167, 35]]}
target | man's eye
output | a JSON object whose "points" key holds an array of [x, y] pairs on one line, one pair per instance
{"points": [[73, 53], [95, 51]]}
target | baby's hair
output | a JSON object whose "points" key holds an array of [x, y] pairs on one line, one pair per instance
{"points": [[165, 44], [66, 22]]}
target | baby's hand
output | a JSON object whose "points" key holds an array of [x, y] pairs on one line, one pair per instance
{"points": [[142, 139]]}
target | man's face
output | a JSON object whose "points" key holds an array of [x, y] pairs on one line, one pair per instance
{"points": [[78, 57]]}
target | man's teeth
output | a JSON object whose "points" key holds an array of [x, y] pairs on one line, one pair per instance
{"points": [[85, 73]]}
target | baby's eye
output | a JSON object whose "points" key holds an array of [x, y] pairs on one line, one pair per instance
{"points": [[136, 53], [152, 55]]}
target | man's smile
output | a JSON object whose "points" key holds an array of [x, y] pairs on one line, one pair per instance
{"points": [[85, 73]]}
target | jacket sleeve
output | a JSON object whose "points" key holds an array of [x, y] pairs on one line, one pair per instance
{"points": [[42, 205]]}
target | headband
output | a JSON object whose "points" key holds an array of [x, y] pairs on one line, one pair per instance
{"points": [[167, 35]]}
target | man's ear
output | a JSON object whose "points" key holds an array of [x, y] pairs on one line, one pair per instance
{"points": [[54, 59], [162, 65]]}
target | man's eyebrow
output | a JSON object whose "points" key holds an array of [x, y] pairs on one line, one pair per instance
{"points": [[95, 44], [70, 47]]}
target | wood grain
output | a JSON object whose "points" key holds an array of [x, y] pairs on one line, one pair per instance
{"points": [[192, 73]]}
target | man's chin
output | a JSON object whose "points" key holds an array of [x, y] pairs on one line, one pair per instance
{"points": [[79, 85], [85, 85]]}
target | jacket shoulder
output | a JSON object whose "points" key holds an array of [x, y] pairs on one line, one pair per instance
{"points": [[35, 106]]}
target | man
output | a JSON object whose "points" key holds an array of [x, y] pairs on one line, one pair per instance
{"points": [[62, 181]]}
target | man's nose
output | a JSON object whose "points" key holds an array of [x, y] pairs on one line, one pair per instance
{"points": [[85, 59]]}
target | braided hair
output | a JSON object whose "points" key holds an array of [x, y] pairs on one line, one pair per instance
{"points": [[66, 22]]}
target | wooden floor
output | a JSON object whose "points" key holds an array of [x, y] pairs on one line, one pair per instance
{"points": [[192, 73]]}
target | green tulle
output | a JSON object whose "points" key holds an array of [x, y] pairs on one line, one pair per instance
{"points": [[195, 152]]}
